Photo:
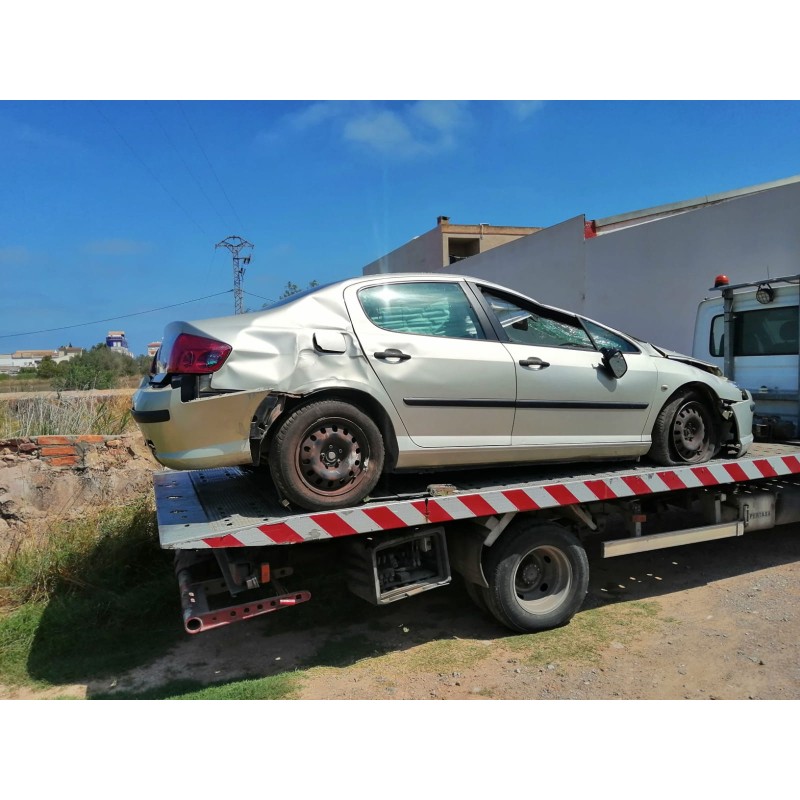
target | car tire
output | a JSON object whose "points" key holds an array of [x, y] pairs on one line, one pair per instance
{"points": [[684, 432], [538, 577], [326, 454]]}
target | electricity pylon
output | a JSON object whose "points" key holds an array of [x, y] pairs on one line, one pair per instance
{"points": [[235, 244]]}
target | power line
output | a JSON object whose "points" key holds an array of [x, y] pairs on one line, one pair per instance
{"points": [[186, 165], [112, 319], [268, 299], [150, 172], [211, 166]]}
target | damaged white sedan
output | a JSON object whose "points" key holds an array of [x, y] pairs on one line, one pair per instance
{"points": [[333, 387]]}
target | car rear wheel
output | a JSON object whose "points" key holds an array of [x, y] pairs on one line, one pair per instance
{"points": [[326, 454], [685, 432]]}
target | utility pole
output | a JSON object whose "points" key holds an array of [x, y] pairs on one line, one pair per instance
{"points": [[235, 244]]}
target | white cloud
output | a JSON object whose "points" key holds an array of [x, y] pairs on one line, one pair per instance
{"points": [[384, 132], [301, 121], [422, 128], [401, 130], [313, 115], [524, 109]]}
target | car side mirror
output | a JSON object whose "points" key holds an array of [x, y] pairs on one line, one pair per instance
{"points": [[614, 361]]}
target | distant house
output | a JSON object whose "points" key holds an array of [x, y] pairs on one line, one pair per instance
{"points": [[12, 363], [116, 341], [66, 353], [152, 348]]}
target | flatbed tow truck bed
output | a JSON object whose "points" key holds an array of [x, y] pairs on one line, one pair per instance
{"points": [[228, 512]]}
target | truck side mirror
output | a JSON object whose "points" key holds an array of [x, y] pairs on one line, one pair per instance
{"points": [[614, 361]]}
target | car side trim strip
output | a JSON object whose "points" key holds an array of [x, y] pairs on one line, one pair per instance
{"points": [[576, 404], [564, 404], [435, 401]]}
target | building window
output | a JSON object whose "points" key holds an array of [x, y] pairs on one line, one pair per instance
{"points": [[459, 249]]}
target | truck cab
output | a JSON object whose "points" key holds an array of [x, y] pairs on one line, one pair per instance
{"points": [[751, 331]]}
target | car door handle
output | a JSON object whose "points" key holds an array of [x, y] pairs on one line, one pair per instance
{"points": [[392, 353], [534, 362]]}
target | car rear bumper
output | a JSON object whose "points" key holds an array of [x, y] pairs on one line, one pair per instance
{"points": [[212, 431]]}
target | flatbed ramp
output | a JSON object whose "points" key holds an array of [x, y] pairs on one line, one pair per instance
{"points": [[232, 507]]}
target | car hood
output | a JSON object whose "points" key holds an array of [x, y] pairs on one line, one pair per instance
{"points": [[692, 362]]}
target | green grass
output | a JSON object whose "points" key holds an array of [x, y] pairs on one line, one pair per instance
{"points": [[274, 687], [90, 598], [589, 631]]}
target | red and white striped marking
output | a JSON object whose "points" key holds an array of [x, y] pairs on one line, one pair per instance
{"points": [[469, 505]]}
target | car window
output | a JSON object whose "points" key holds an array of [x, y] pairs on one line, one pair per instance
{"points": [[765, 332], [429, 309], [536, 325], [602, 337]]}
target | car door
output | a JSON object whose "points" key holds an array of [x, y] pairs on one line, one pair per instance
{"points": [[451, 383], [566, 397]]}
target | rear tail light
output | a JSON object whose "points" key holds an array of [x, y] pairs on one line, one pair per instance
{"points": [[196, 355]]}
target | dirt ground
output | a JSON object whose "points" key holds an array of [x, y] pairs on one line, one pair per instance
{"points": [[726, 626], [719, 620]]}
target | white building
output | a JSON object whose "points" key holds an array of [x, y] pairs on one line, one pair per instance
{"points": [[12, 363]]}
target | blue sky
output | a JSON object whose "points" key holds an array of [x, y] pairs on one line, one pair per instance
{"points": [[112, 208]]}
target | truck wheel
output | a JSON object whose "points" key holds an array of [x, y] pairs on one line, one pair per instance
{"points": [[684, 432], [327, 454], [538, 576], [476, 594]]}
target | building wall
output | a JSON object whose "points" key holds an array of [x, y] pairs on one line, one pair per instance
{"points": [[646, 279], [649, 279], [422, 254], [431, 251], [548, 266]]}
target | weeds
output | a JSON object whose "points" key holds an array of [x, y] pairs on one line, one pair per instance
{"points": [[65, 415], [92, 597]]}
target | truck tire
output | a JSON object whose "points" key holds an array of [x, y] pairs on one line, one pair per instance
{"points": [[476, 594], [538, 576], [326, 454], [684, 432]]}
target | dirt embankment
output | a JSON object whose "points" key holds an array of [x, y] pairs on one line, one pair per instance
{"points": [[60, 477]]}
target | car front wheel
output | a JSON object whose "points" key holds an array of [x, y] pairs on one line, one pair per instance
{"points": [[685, 432], [326, 454]]}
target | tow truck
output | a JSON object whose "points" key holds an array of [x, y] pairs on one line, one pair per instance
{"points": [[518, 537]]}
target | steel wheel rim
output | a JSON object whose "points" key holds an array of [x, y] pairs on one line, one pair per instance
{"points": [[542, 580], [690, 432], [333, 456]]}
